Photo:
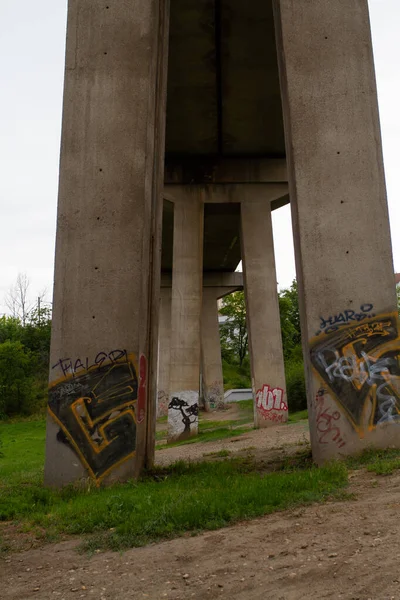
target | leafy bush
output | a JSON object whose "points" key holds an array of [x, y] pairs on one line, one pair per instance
{"points": [[295, 385], [17, 383]]}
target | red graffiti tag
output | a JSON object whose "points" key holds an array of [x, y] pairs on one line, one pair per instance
{"points": [[268, 399], [142, 392], [327, 425]]}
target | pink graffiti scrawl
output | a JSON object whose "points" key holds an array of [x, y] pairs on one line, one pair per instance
{"points": [[142, 392], [268, 399]]}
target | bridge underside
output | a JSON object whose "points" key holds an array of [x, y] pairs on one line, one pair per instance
{"points": [[224, 114]]}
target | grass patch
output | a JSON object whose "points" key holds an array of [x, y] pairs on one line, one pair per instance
{"points": [[301, 415], [164, 504], [245, 405], [375, 460], [208, 436], [219, 454], [181, 498], [161, 435], [23, 446], [163, 419]]}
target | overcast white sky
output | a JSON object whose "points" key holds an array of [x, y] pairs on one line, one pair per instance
{"points": [[32, 41]]}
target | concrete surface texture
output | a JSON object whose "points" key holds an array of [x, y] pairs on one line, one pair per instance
{"points": [[164, 352], [187, 284], [263, 322], [213, 380], [259, 94], [341, 227], [99, 348]]}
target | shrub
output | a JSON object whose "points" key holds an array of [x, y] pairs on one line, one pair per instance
{"points": [[17, 384], [295, 385]]}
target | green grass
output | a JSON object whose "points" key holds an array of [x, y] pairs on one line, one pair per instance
{"points": [[208, 436], [167, 502], [23, 450], [245, 405], [164, 504], [218, 454], [298, 416], [182, 498], [375, 460]]}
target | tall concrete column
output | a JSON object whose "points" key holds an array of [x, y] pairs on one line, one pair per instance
{"points": [[164, 352], [263, 322], [213, 381], [341, 227], [187, 282], [110, 177]]}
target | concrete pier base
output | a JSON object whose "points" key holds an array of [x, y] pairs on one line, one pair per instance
{"points": [[213, 381], [164, 352], [263, 322], [341, 228], [109, 174], [187, 283]]}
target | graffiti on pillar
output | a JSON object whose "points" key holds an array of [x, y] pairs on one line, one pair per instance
{"points": [[95, 408], [344, 319], [328, 422], [183, 415], [360, 367], [214, 395], [142, 393], [268, 401]]}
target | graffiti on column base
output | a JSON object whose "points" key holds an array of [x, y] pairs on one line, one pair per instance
{"points": [[269, 400], [214, 395], [142, 393], [327, 422], [183, 415], [360, 366], [96, 413]]}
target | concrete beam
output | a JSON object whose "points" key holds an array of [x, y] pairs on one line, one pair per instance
{"points": [[274, 193], [216, 280], [224, 171]]}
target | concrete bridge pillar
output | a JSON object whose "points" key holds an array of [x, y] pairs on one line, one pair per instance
{"points": [[164, 352], [111, 175], [341, 227], [263, 322], [213, 381], [187, 282]]}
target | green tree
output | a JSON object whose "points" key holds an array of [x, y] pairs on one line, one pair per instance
{"points": [[290, 316], [17, 386], [234, 338]]}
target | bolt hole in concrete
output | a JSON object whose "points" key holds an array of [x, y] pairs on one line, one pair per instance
{"points": [[98, 218], [342, 202], [347, 251], [96, 268], [100, 170], [105, 53], [93, 317]]}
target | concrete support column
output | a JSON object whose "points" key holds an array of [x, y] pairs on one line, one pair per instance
{"points": [[213, 382], [110, 176], [341, 228], [187, 282], [164, 352], [263, 323]]}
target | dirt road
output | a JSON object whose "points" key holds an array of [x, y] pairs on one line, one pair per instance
{"points": [[343, 550]]}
